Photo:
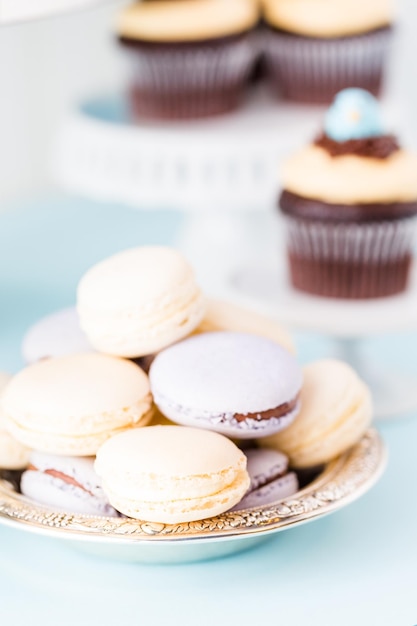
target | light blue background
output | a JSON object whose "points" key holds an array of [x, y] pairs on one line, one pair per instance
{"points": [[358, 566]]}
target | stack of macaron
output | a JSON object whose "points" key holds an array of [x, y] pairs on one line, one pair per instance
{"points": [[222, 422], [194, 58]]}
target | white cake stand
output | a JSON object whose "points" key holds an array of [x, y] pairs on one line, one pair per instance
{"points": [[225, 162], [347, 322], [222, 171]]}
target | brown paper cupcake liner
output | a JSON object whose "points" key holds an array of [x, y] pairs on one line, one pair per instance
{"points": [[341, 260], [308, 69], [190, 80]]}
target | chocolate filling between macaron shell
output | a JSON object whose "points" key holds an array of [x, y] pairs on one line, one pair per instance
{"points": [[279, 411], [69, 480]]}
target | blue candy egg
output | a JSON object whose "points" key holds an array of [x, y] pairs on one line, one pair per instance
{"points": [[354, 114]]}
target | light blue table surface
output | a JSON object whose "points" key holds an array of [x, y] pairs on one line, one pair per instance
{"points": [[358, 566]]}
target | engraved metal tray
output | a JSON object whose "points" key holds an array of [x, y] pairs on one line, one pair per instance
{"points": [[342, 481]]}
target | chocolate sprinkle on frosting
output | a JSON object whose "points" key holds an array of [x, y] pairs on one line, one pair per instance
{"points": [[380, 147]]}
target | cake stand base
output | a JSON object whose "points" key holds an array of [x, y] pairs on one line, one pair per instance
{"points": [[394, 393], [347, 323]]}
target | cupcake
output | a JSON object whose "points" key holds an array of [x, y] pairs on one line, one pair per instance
{"points": [[349, 201], [315, 48], [190, 58]]}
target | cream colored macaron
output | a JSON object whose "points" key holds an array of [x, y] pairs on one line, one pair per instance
{"points": [[228, 316], [13, 455], [139, 301], [172, 474], [71, 405], [336, 410], [186, 20]]}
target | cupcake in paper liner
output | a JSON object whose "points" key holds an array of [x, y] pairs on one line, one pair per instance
{"points": [[315, 48], [189, 58], [349, 201]]}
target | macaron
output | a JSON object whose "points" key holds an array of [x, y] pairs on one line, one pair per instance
{"points": [[171, 474], [13, 455], [71, 405], [264, 465], [65, 483], [238, 384], [269, 480], [58, 334], [336, 410], [222, 315], [139, 301]]}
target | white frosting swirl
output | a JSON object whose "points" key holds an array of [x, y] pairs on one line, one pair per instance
{"points": [[328, 18], [314, 173], [187, 20]]}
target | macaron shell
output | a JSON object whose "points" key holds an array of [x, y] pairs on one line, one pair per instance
{"points": [[58, 334], [70, 445], [182, 510], [139, 301], [171, 453], [13, 455], [226, 372], [337, 441], [84, 384], [264, 465], [273, 492], [336, 409], [207, 379], [228, 316], [55, 493], [71, 405]]}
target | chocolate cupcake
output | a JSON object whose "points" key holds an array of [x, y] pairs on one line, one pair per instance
{"points": [[315, 48], [190, 58], [349, 201]]}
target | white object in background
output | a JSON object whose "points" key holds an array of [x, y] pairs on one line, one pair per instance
{"points": [[224, 162], [218, 169], [12, 11], [347, 322]]}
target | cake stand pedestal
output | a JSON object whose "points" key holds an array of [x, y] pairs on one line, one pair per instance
{"points": [[347, 323]]}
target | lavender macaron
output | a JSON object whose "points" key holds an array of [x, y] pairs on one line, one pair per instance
{"points": [[238, 384], [57, 334], [60, 334], [269, 479], [65, 483]]}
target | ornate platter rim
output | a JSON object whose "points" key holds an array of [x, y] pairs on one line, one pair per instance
{"points": [[341, 482]]}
